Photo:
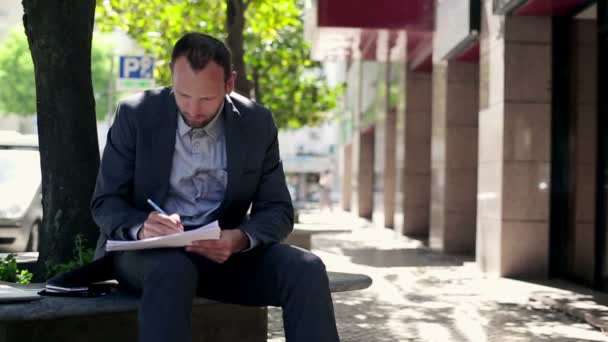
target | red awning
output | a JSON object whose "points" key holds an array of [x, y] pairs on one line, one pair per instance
{"points": [[377, 14], [346, 28], [548, 7]]}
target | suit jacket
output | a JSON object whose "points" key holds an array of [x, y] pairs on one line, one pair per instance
{"points": [[137, 162]]}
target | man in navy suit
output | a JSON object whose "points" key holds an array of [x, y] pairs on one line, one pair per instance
{"points": [[205, 153]]}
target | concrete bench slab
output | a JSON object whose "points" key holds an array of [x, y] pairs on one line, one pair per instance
{"points": [[113, 317], [23, 258], [301, 235], [343, 282]]}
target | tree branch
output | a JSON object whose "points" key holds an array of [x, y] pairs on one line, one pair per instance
{"points": [[246, 4], [239, 5]]}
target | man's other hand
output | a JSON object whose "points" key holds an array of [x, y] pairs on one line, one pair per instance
{"points": [[231, 241], [158, 225]]}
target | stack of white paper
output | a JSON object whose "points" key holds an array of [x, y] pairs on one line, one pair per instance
{"points": [[210, 231]]}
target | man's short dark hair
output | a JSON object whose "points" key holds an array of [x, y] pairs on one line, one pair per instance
{"points": [[199, 49]]}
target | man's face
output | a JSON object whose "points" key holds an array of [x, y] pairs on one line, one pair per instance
{"points": [[199, 94]]}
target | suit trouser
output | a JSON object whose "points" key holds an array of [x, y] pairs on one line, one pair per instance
{"points": [[276, 275]]}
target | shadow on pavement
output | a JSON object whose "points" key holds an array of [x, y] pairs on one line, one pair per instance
{"points": [[375, 257], [422, 295], [362, 316]]}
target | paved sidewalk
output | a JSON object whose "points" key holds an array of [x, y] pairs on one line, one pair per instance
{"points": [[421, 295]]}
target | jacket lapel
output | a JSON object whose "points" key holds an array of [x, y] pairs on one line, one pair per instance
{"points": [[165, 146], [235, 153]]}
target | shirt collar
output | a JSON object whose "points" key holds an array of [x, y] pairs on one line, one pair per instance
{"points": [[234, 109], [213, 128]]}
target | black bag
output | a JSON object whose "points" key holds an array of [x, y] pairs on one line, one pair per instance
{"points": [[90, 280]]}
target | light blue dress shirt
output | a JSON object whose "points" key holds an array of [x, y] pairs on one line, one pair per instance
{"points": [[199, 174]]}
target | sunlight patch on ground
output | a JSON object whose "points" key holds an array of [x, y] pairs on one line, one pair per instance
{"points": [[420, 295], [433, 332]]}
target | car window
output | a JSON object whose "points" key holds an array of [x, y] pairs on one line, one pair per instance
{"points": [[19, 175]]}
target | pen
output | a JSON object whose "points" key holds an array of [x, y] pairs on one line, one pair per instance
{"points": [[156, 207]]}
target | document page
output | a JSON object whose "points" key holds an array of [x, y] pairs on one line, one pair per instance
{"points": [[210, 231]]}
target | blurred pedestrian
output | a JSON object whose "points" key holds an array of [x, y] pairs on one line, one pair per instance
{"points": [[326, 181]]}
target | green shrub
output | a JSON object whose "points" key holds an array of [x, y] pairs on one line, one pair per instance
{"points": [[10, 272], [82, 256]]}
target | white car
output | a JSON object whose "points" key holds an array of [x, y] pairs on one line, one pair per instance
{"points": [[20, 192]]}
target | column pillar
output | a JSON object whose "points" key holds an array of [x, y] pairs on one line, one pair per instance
{"points": [[365, 176], [390, 171], [347, 179], [514, 145], [584, 162], [417, 145], [454, 157]]}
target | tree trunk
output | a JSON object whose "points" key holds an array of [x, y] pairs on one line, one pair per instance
{"points": [[60, 34], [235, 24]]}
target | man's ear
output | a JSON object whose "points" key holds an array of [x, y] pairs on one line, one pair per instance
{"points": [[230, 82]]}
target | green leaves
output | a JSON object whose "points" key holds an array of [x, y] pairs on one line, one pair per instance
{"points": [[17, 87], [17, 84], [277, 57], [10, 273], [81, 256]]}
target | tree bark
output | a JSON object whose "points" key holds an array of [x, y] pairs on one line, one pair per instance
{"points": [[235, 24], [60, 36]]}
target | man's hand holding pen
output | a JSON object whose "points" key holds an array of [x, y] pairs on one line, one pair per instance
{"points": [[158, 224]]}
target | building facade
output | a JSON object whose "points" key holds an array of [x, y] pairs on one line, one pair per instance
{"points": [[478, 124]]}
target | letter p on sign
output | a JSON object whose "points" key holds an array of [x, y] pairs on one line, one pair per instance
{"points": [[139, 67], [136, 73]]}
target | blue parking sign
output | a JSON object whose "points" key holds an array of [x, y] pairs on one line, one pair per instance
{"points": [[138, 67], [135, 73]]}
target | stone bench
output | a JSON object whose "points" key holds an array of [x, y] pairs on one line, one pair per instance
{"points": [[113, 317], [23, 257], [301, 235]]}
